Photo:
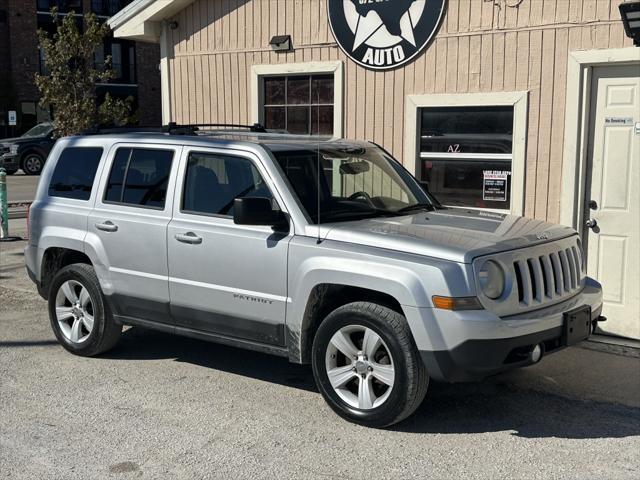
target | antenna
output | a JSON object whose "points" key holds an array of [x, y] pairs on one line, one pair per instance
{"points": [[318, 162]]}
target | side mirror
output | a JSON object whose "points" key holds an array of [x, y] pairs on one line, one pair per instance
{"points": [[257, 211]]}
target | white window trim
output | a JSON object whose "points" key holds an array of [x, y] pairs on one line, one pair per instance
{"points": [[576, 127], [258, 72], [519, 101]]}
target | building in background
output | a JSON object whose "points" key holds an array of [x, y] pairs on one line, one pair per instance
{"points": [[529, 107], [136, 64]]}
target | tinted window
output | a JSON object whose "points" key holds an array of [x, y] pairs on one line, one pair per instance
{"points": [[74, 173], [212, 182], [139, 177]]}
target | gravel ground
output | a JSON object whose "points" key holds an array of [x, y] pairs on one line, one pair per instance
{"points": [[159, 406]]}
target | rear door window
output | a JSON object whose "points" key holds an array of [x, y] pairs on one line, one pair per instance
{"points": [[139, 177], [74, 173]]}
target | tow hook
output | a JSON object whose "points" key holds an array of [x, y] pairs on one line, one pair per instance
{"points": [[594, 323]]}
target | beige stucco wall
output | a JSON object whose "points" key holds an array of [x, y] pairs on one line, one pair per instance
{"points": [[481, 47]]}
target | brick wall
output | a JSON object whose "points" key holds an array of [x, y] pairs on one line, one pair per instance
{"points": [[19, 63], [23, 27], [148, 75]]}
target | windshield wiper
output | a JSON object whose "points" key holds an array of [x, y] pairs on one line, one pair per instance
{"points": [[417, 206]]}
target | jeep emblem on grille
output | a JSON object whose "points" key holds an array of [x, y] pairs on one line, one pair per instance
{"points": [[543, 236]]}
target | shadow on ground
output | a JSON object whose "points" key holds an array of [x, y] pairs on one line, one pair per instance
{"points": [[493, 405]]}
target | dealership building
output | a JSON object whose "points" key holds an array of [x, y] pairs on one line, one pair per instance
{"points": [[529, 107]]}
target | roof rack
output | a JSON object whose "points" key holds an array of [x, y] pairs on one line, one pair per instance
{"points": [[173, 127]]}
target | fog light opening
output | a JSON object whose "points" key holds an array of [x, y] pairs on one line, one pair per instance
{"points": [[536, 353]]}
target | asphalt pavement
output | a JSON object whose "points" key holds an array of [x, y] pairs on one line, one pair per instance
{"points": [[159, 406]]}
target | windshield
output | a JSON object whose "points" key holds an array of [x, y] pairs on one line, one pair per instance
{"points": [[40, 130], [356, 182]]}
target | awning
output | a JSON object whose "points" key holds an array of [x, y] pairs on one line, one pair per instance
{"points": [[141, 20]]}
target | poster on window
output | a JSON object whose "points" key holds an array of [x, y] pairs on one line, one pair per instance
{"points": [[494, 185]]}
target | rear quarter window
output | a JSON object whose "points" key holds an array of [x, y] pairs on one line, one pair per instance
{"points": [[75, 172]]}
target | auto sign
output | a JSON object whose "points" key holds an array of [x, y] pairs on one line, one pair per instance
{"points": [[384, 34]]}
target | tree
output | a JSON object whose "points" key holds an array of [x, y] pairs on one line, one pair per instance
{"points": [[69, 84]]}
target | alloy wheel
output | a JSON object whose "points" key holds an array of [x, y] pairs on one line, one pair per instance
{"points": [[360, 367], [74, 311], [33, 164]]}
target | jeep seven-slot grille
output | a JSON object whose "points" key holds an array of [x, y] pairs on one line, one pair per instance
{"points": [[548, 277]]}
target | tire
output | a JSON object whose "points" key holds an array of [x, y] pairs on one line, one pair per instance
{"points": [[104, 333], [10, 171], [399, 395], [32, 163]]}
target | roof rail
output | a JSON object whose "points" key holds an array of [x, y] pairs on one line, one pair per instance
{"points": [[172, 128], [195, 127], [97, 130]]}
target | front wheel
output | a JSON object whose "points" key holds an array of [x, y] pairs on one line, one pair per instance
{"points": [[32, 164], [367, 366]]}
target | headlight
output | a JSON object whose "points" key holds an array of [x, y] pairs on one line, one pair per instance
{"points": [[14, 149], [492, 280]]}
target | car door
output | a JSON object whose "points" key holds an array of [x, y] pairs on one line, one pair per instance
{"points": [[225, 279], [128, 229]]}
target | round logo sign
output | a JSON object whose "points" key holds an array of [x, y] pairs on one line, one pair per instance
{"points": [[384, 34]]}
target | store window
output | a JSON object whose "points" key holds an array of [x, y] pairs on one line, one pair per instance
{"points": [[466, 155], [300, 104], [63, 6]]}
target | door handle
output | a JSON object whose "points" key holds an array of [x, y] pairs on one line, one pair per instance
{"points": [[592, 223], [107, 226], [189, 237]]}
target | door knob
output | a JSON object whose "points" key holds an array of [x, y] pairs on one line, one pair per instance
{"points": [[591, 223]]}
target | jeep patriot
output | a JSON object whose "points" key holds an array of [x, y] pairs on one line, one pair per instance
{"points": [[323, 251]]}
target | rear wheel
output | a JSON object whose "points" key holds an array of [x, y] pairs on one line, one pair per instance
{"points": [[80, 318], [367, 366], [32, 163]]}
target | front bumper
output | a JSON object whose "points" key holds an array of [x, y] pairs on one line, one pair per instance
{"points": [[476, 344], [9, 161]]}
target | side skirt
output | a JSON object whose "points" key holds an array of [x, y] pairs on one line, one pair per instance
{"points": [[207, 336]]}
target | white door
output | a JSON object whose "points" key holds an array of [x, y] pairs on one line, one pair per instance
{"points": [[613, 196]]}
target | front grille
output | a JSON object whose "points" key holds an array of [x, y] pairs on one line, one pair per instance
{"points": [[545, 278], [536, 277]]}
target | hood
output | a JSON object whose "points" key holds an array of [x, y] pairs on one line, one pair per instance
{"points": [[20, 140], [455, 234]]}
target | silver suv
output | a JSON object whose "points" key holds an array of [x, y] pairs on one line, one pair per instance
{"points": [[323, 251]]}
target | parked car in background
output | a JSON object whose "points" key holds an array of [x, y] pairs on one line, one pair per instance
{"points": [[28, 152]]}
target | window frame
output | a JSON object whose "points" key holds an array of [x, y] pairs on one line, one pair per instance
{"points": [[335, 68], [286, 105], [168, 201], [183, 180], [519, 102]]}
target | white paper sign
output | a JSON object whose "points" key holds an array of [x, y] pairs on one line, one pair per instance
{"points": [[13, 118], [494, 185]]}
